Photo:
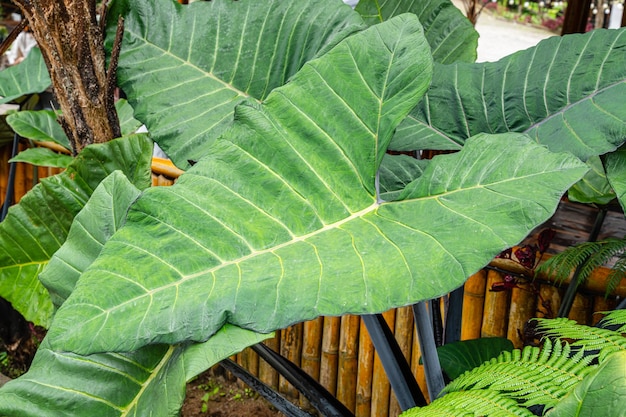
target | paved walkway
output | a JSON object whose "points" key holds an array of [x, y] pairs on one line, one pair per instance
{"points": [[499, 38]]}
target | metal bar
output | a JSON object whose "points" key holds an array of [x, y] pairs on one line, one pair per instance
{"points": [[8, 199], [397, 368], [430, 359], [281, 403], [454, 316], [318, 396]]}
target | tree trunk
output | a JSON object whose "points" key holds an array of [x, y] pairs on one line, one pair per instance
{"points": [[72, 44]]}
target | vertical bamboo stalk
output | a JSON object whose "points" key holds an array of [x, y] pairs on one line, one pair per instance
{"points": [[600, 305], [348, 361], [380, 383], [496, 308], [267, 374], [581, 309], [291, 348], [21, 182], [404, 336], [311, 354], [364, 375], [473, 305], [523, 308], [330, 351], [550, 300]]}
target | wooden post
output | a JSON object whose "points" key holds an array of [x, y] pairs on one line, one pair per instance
{"points": [[576, 16], [473, 305], [581, 309], [600, 305], [348, 361], [551, 301], [416, 367]]}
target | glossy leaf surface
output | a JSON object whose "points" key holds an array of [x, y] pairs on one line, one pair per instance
{"points": [[39, 125], [459, 357]]}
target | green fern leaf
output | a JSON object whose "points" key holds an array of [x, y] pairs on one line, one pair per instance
{"points": [[471, 403], [586, 337], [533, 375], [616, 318]]}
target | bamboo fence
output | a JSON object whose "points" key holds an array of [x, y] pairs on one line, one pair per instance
{"points": [[337, 351]]}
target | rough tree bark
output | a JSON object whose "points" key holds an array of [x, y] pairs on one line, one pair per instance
{"points": [[72, 44]]}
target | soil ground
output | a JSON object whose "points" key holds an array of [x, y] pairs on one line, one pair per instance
{"points": [[214, 394]]}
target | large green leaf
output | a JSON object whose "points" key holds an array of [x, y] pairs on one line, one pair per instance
{"points": [[39, 125], [568, 93], [36, 227], [184, 68], [27, 77], [43, 157], [451, 36], [281, 223], [594, 187], [616, 174], [600, 393], [459, 357], [42, 125], [150, 381]]}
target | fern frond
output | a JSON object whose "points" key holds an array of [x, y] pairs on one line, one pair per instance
{"points": [[618, 272], [615, 318], [471, 403], [587, 255], [536, 376], [586, 337], [561, 265]]}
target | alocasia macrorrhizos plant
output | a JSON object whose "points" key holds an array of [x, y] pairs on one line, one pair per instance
{"points": [[283, 217]]}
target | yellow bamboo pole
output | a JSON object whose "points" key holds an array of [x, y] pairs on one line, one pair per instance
{"points": [[403, 332], [291, 348], [267, 374], [311, 354], [601, 304], [473, 305], [550, 300], [496, 310], [330, 354], [581, 309], [347, 368], [380, 383], [523, 307], [364, 374]]}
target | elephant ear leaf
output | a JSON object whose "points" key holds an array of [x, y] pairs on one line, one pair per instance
{"points": [[196, 62], [28, 77], [567, 92], [282, 221], [451, 35], [36, 228], [153, 377]]}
